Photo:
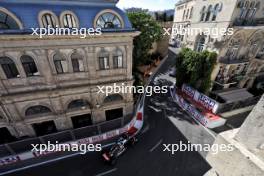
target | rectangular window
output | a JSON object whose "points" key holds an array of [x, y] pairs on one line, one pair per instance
{"points": [[64, 66], [77, 65], [81, 67], [30, 68], [10, 70], [58, 67], [118, 61], [69, 21], [103, 63]]}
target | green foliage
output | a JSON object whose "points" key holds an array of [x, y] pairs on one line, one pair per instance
{"points": [[151, 32], [195, 68]]}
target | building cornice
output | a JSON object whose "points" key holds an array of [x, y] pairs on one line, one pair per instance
{"points": [[15, 37], [64, 2]]}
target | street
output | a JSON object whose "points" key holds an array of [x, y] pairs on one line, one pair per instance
{"points": [[147, 157]]}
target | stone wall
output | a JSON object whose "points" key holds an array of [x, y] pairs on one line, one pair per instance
{"points": [[56, 91]]}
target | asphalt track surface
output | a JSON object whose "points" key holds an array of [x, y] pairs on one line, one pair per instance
{"points": [[147, 157]]}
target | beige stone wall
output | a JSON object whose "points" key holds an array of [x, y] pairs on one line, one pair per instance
{"points": [[226, 16], [56, 91]]}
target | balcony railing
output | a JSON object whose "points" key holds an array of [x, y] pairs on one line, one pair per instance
{"points": [[229, 60], [231, 79], [21, 146], [225, 107], [260, 56], [248, 22]]}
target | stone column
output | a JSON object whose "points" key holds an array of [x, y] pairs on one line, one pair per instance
{"points": [[91, 62], [251, 133], [44, 65], [247, 156], [129, 60], [98, 115]]}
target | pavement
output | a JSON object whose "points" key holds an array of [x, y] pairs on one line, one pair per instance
{"points": [[147, 157]]}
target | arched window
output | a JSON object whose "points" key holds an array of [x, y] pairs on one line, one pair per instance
{"points": [[252, 4], [216, 8], [29, 66], [257, 5], [183, 15], [113, 98], [200, 43], [203, 13], [260, 53], [246, 5], [49, 19], [240, 4], [233, 48], [109, 20], [37, 110], [60, 63], [77, 62], [7, 22], [69, 20], [103, 60], [191, 13], [118, 59], [254, 7], [187, 14], [79, 104], [255, 45], [245, 10], [208, 13], [9, 67]]}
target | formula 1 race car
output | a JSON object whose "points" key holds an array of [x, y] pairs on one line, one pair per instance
{"points": [[111, 155]]}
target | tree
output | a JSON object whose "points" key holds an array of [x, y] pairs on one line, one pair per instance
{"points": [[151, 32], [195, 68]]}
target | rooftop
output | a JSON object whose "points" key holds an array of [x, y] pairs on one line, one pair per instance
{"points": [[27, 11], [182, 2], [233, 94]]}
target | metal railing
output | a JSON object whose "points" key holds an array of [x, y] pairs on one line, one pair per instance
{"points": [[63, 136], [248, 22], [225, 107], [229, 60]]}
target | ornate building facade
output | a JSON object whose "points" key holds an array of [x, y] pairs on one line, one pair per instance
{"points": [[240, 47], [51, 84]]}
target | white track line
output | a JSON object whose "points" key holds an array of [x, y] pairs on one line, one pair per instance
{"points": [[39, 164], [145, 129], [155, 146], [44, 162], [107, 172]]}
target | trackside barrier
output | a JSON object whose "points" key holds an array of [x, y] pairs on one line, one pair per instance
{"points": [[205, 101], [132, 128], [203, 119]]}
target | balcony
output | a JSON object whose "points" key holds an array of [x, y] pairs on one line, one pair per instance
{"points": [[260, 56], [248, 22], [253, 74], [229, 60], [230, 79]]}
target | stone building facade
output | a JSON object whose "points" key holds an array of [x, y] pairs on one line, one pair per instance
{"points": [[240, 46], [51, 84]]}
